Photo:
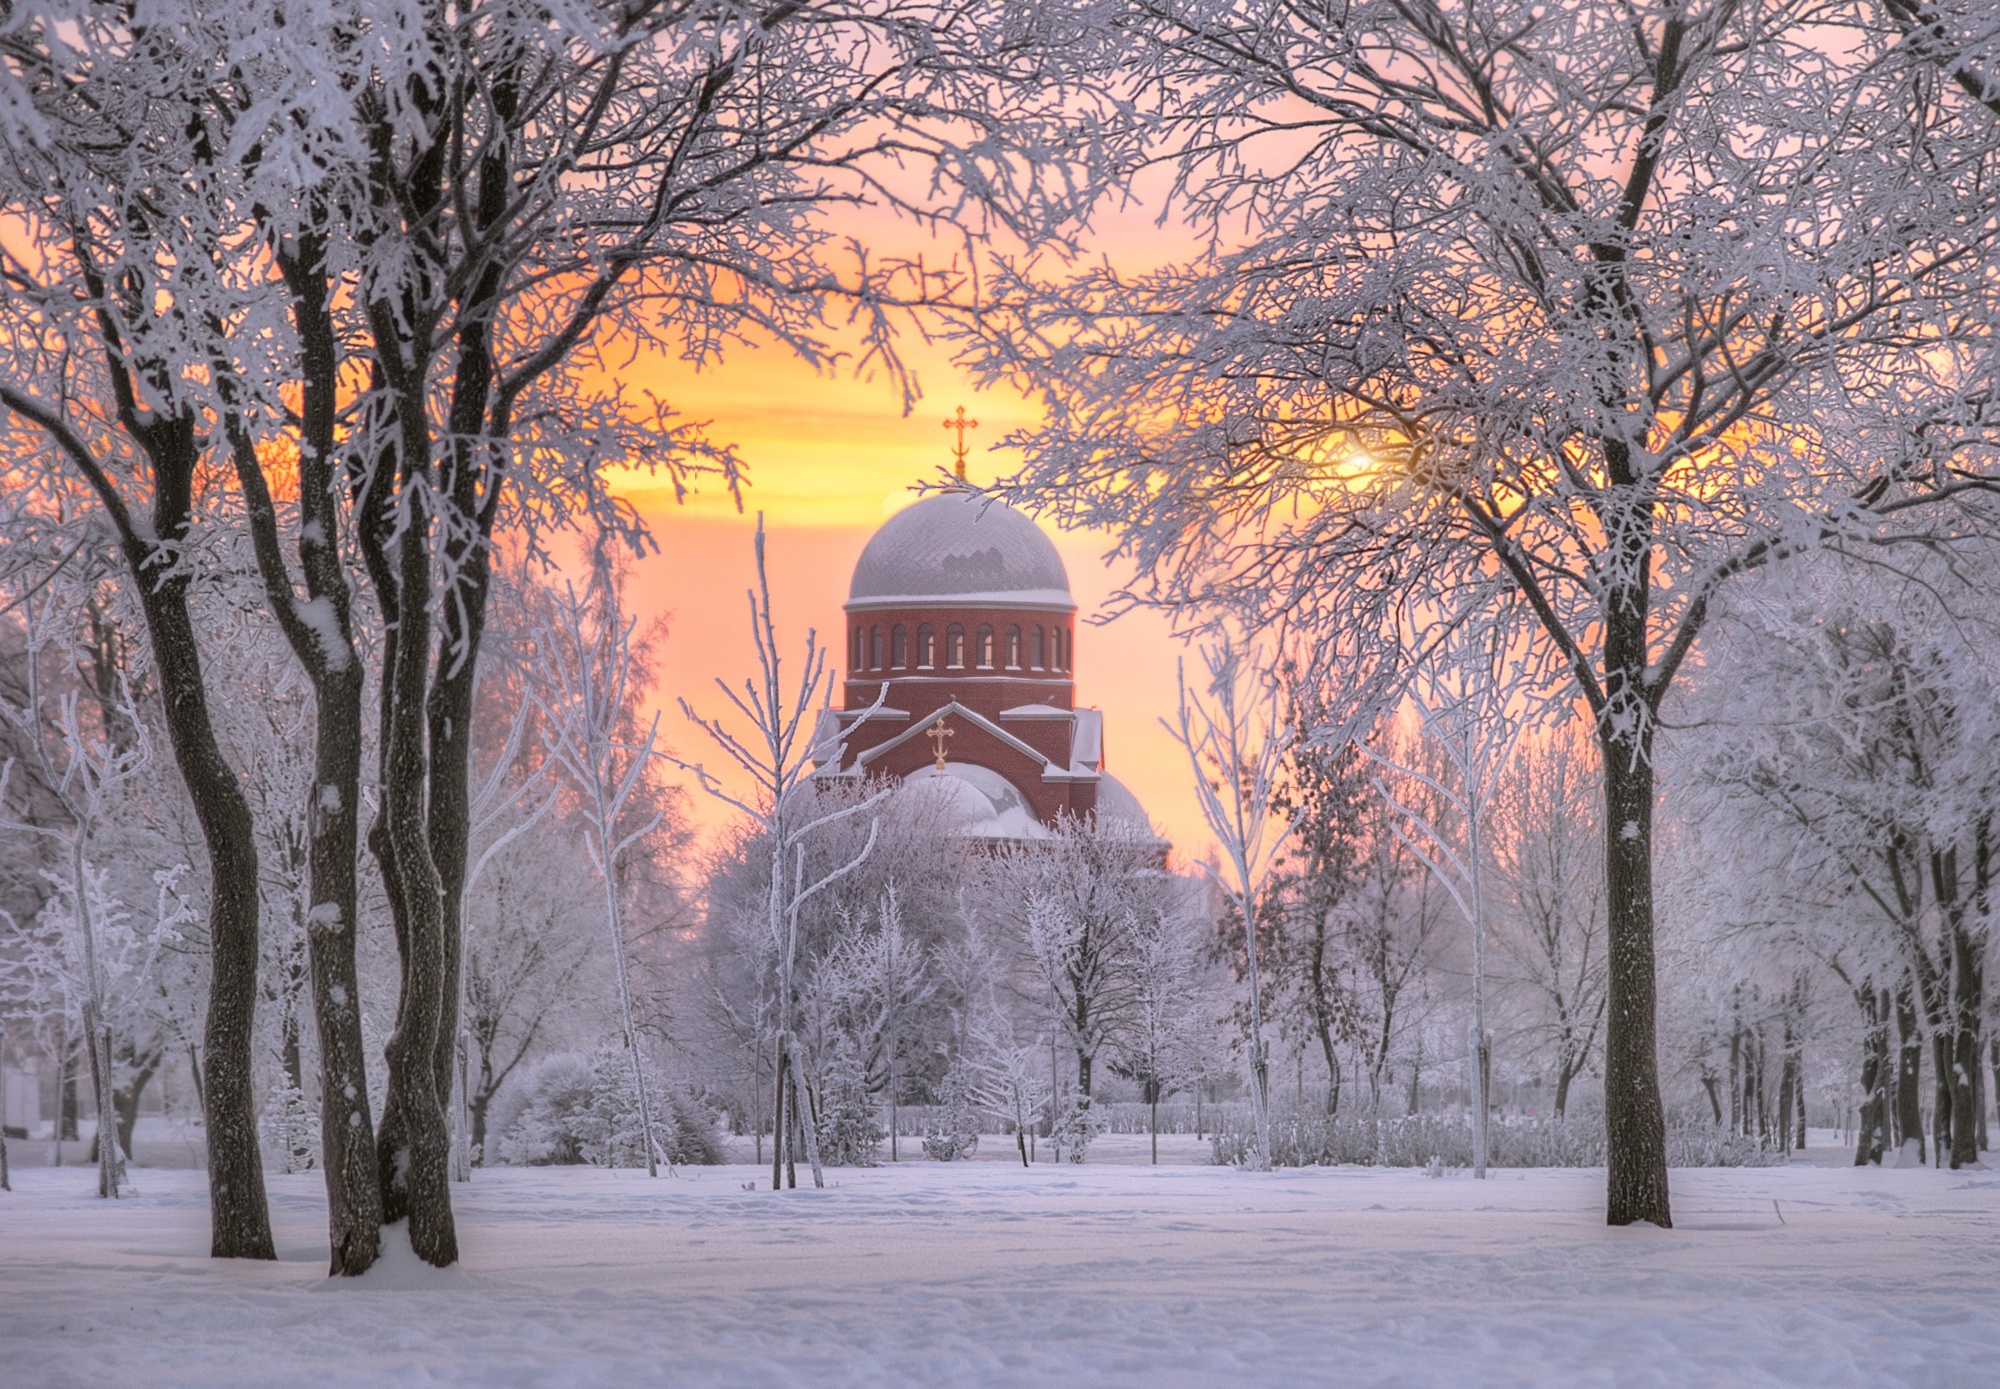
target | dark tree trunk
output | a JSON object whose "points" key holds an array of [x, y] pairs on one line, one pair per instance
{"points": [[126, 1101], [1909, 1072], [66, 1116], [478, 1104], [1634, 1120], [1788, 1096], [240, 1222], [1942, 1094], [327, 652], [413, 1145], [1968, 1001], [779, 1132]]}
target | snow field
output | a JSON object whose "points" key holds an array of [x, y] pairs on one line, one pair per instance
{"points": [[983, 1274]]}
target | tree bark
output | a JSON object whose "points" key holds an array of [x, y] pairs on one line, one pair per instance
{"points": [[1634, 1121], [413, 1146], [1968, 1012], [1873, 1137], [1909, 1071], [240, 1221], [326, 651]]}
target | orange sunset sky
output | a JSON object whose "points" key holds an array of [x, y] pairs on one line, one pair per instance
{"points": [[829, 458]]}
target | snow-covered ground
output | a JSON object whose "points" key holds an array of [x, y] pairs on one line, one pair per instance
{"points": [[985, 1274]]}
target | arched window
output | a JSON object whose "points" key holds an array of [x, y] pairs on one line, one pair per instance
{"points": [[985, 646], [926, 647], [954, 646], [899, 647], [854, 654], [1013, 648], [1037, 653], [875, 648], [1062, 652]]}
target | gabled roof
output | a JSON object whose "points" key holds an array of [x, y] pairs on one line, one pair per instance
{"points": [[1078, 770]]}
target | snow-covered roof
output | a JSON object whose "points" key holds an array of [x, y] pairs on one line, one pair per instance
{"points": [[1115, 801], [982, 804], [963, 547]]}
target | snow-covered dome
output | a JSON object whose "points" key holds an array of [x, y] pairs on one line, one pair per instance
{"points": [[980, 803], [963, 547], [1115, 801]]}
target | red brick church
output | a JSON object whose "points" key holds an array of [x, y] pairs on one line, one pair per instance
{"points": [[959, 617]]}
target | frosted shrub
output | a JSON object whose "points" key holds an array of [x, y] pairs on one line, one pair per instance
{"points": [[848, 1134], [1075, 1128], [953, 1131], [289, 1127], [1307, 1138], [579, 1108]]}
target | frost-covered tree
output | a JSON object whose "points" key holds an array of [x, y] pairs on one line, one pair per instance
{"points": [[589, 707], [1548, 870], [1466, 697], [85, 954], [1236, 744], [1498, 289], [1860, 785], [776, 754], [1161, 1043], [1087, 894]]}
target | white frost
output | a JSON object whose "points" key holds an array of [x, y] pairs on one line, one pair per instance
{"points": [[318, 616]]}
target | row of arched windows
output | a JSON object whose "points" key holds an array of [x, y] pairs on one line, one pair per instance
{"points": [[1039, 648]]}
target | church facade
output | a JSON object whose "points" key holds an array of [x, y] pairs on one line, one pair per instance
{"points": [[961, 637]]}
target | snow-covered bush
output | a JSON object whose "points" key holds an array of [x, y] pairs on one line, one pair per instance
{"points": [[1074, 1129], [289, 1127], [953, 1131], [1307, 1138], [848, 1134], [580, 1108]]}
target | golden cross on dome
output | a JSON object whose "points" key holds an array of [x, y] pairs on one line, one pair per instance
{"points": [[958, 452], [940, 731]]}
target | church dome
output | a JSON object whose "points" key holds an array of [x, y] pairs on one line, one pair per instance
{"points": [[960, 547], [976, 801], [1115, 801]]}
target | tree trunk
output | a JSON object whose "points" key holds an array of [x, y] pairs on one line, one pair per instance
{"points": [[1635, 1129], [240, 1221], [1873, 1137], [1909, 1072], [1943, 1093], [1787, 1097], [1969, 1006], [1968, 1109], [126, 1101], [413, 1146], [66, 1115], [1566, 1074], [779, 1133], [327, 653]]}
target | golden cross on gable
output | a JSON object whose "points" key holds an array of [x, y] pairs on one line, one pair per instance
{"points": [[940, 731], [958, 452]]}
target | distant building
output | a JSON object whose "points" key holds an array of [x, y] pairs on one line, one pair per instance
{"points": [[960, 619]]}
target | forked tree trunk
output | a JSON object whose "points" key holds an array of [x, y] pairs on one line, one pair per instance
{"points": [[413, 1146], [327, 653], [1635, 1127]]}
